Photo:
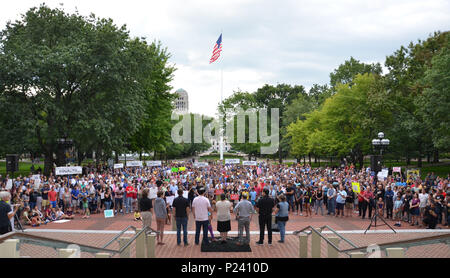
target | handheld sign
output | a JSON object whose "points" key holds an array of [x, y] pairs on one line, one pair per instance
{"points": [[134, 164], [218, 191], [356, 187], [118, 166], [232, 161], [153, 163], [234, 197], [397, 169], [249, 163]]}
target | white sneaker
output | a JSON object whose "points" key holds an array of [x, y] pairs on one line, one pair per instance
{"points": [[301, 214]]}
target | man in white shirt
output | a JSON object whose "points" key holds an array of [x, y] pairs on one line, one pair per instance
{"points": [[423, 197], [200, 209]]}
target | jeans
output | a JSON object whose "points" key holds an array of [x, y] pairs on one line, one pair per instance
{"points": [[32, 205], [119, 201], [198, 226], [128, 202], [244, 222], [282, 228], [263, 222], [290, 201], [331, 206], [108, 205], [389, 207], [182, 221], [319, 204]]}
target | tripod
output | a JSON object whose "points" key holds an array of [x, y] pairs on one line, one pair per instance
{"points": [[374, 219], [17, 222]]}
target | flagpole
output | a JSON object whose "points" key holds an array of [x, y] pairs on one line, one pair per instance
{"points": [[221, 100]]}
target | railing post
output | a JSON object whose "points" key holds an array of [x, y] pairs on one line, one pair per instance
{"points": [[357, 255], [8, 249], [395, 252], [316, 242], [140, 244], [303, 245], [67, 253], [102, 255], [333, 253], [125, 253], [151, 239]]}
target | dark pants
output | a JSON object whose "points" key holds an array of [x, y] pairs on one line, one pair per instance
{"points": [[119, 201], [198, 226], [363, 206], [265, 220], [290, 201], [32, 205], [182, 221], [389, 207], [5, 229]]}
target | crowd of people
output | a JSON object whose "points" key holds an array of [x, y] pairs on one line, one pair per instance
{"points": [[244, 190]]}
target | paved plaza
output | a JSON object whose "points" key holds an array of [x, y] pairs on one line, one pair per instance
{"points": [[97, 231]]}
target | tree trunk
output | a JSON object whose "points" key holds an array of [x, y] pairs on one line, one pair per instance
{"points": [[361, 160], [80, 157], [315, 159], [116, 157], [428, 157], [309, 157], [436, 156], [60, 156], [319, 160], [419, 160], [408, 159], [48, 164]]}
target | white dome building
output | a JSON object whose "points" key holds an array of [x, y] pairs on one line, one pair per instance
{"points": [[182, 102]]}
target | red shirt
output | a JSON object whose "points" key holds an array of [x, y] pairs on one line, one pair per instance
{"points": [[52, 196], [129, 191]]}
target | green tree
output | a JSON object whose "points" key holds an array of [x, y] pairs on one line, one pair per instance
{"points": [[346, 72], [76, 77]]}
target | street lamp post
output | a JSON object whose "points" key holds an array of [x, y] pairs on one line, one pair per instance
{"points": [[381, 145]]}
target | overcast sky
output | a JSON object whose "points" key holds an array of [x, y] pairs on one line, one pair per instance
{"points": [[264, 42]]}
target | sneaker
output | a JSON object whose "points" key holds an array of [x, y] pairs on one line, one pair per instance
{"points": [[186, 244], [281, 241], [301, 214], [259, 243]]}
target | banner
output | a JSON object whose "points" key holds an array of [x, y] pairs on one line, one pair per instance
{"points": [[234, 197], [356, 187], [249, 163], [153, 163], [232, 161], [396, 169], [118, 166], [72, 170], [289, 160], [201, 164], [218, 191], [412, 175], [135, 163], [400, 183]]}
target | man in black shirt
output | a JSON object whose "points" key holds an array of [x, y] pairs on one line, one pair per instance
{"points": [[5, 213], [264, 206], [180, 206]]}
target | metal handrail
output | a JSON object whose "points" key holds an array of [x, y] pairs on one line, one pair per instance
{"points": [[337, 234], [408, 243], [125, 246], [125, 230], [54, 243]]}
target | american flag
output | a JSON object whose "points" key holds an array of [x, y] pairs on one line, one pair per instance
{"points": [[216, 51]]}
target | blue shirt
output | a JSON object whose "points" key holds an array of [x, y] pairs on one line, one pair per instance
{"points": [[283, 209], [75, 192], [253, 195]]}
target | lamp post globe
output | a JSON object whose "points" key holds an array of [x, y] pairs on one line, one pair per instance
{"points": [[380, 135]]}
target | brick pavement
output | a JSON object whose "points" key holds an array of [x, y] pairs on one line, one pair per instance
{"points": [[290, 249]]}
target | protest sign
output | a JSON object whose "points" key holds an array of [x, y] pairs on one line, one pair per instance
{"points": [[234, 197], [249, 163], [185, 194], [72, 170], [153, 163], [109, 213], [412, 175], [169, 200], [152, 193], [383, 174], [200, 164], [232, 161], [182, 168], [135, 163], [218, 191], [397, 169], [356, 187], [400, 183], [118, 166], [174, 170]]}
